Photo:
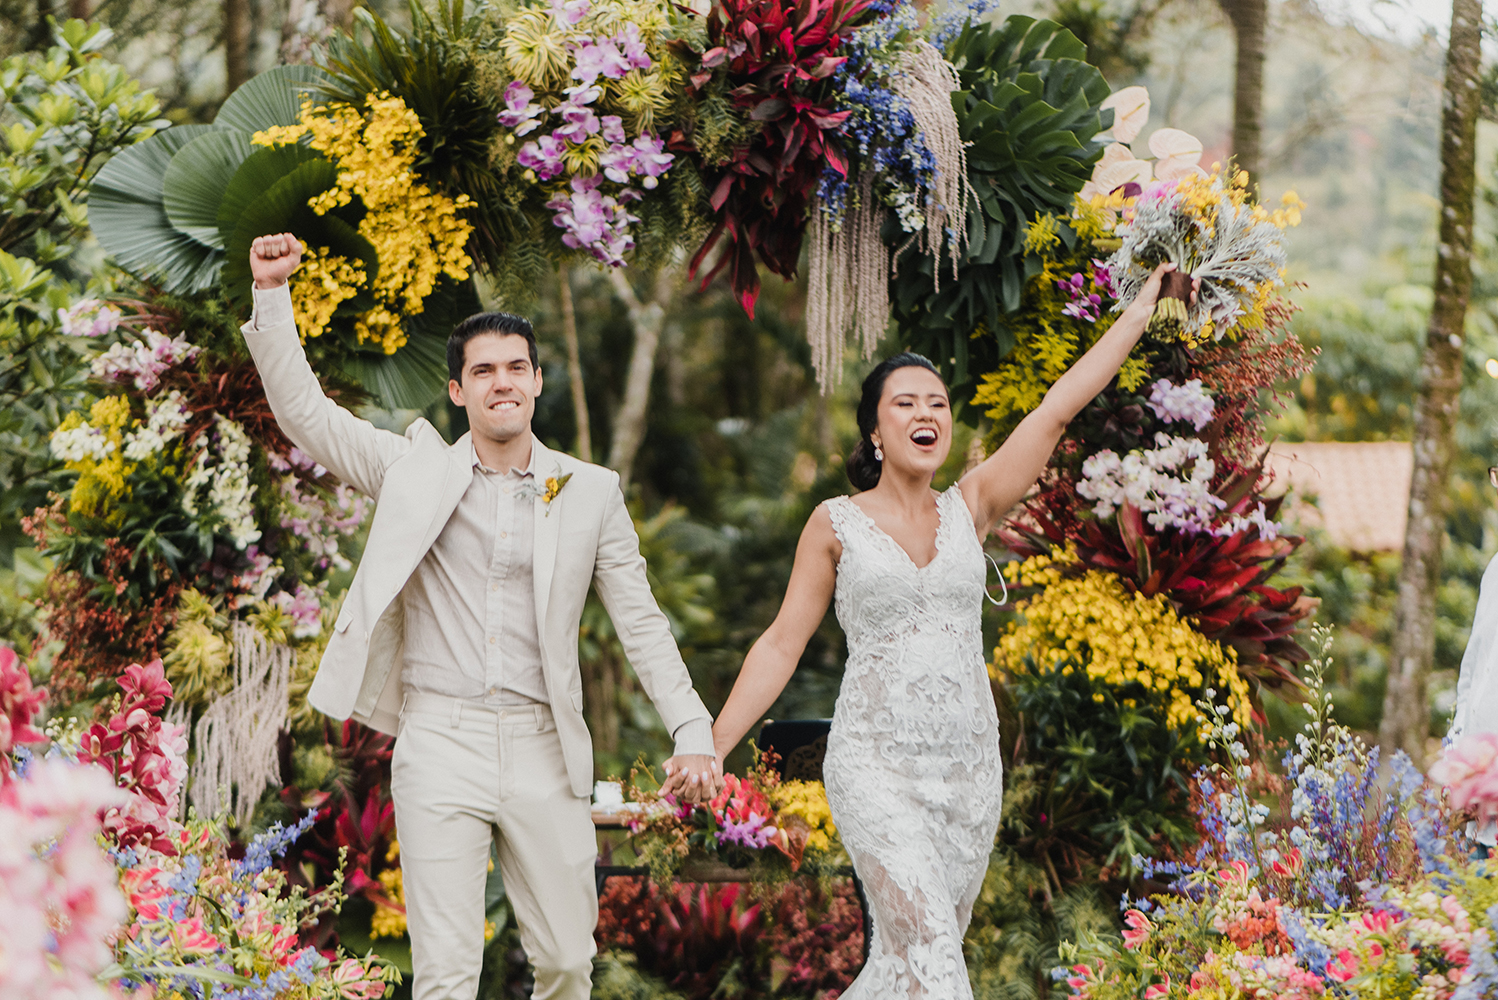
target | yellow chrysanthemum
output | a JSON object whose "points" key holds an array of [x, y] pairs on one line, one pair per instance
{"points": [[1120, 637], [808, 801], [416, 232]]}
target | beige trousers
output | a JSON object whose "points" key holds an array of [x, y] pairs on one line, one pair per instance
{"points": [[463, 776]]}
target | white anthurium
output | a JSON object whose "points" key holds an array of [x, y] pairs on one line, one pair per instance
{"points": [[1131, 110], [1178, 153], [1123, 172], [1113, 154]]}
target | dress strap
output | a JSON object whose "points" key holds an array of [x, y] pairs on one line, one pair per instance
{"points": [[842, 511]]}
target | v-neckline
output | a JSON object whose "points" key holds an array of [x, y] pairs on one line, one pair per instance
{"points": [[940, 522]]}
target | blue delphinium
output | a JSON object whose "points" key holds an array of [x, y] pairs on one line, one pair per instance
{"points": [[270, 845]]}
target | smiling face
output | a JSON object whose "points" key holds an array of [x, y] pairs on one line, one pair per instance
{"points": [[499, 386], [915, 421]]}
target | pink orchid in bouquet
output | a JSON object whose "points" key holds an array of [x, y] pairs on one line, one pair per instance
{"points": [[1469, 771], [142, 362], [89, 318]]}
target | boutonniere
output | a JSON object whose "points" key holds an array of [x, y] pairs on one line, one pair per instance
{"points": [[554, 486]]}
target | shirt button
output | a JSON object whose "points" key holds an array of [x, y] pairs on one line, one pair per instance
{"points": [[504, 534], [492, 640], [493, 587], [494, 690]]}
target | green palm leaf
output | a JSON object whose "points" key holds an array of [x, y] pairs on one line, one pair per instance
{"points": [[126, 213], [259, 172], [194, 183], [273, 98], [283, 209], [415, 375]]}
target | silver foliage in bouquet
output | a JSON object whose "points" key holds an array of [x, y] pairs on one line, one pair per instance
{"points": [[1232, 248]]}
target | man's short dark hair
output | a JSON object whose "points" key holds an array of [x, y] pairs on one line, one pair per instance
{"points": [[481, 323]]}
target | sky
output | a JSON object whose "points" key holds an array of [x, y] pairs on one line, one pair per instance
{"points": [[1405, 20]]}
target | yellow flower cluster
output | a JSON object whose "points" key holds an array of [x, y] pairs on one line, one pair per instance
{"points": [[387, 921], [1135, 644], [1046, 343], [808, 801], [101, 480], [416, 232]]}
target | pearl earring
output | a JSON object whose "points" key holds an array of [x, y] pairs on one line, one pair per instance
{"points": [[878, 453]]}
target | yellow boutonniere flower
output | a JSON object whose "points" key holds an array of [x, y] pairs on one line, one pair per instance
{"points": [[554, 486]]}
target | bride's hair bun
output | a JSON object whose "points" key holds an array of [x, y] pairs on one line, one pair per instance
{"points": [[863, 468]]}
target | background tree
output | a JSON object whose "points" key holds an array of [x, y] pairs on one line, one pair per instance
{"points": [[1406, 723], [1250, 21]]}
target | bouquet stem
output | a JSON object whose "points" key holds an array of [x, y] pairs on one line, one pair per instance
{"points": [[1170, 308]]}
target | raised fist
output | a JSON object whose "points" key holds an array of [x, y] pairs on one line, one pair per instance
{"points": [[274, 258]]}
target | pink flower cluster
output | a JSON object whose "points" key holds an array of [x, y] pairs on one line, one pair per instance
{"points": [[147, 758], [89, 318], [594, 221], [318, 520], [304, 607], [143, 361], [1084, 305], [18, 703], [1469, 770], [59, 893]]}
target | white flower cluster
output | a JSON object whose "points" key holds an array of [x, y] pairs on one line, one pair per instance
{"points": [[228, 480], [1188, 403], [1170, 484], [1258, 518], [89, 318], [166, 417], [79, 443], [143, 361]]}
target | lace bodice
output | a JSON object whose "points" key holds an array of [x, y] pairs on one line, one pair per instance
{"points": [[913, 770]]}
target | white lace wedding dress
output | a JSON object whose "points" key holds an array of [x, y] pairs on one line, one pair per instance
{"points": [[912, 770]]}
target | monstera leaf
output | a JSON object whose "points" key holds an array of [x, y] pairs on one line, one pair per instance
{"points": [[1029, 106]]}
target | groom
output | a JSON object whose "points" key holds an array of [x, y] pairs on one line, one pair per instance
{"points": [[459, 635]]}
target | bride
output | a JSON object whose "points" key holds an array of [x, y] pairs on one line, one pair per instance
{"points": [[912, 770]]}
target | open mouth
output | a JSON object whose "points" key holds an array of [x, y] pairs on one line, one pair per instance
{"points": [[504, 404], [924, 436]]}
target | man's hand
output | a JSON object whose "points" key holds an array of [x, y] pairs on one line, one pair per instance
{"points": [[697, 778], [274, 258]]}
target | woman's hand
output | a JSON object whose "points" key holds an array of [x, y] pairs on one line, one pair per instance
{"points": [[1143, 306]]}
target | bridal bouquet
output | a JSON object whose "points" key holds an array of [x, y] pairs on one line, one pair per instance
{"points": [[754, 821]]}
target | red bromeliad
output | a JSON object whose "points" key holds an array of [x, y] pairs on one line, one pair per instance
{"points": [[780, 56]]}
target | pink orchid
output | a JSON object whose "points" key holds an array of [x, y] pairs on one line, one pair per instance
{"points": [[633, 47], [1158, 990], [18, 704], [191, 936], [1469, 770], [1139, 928]]}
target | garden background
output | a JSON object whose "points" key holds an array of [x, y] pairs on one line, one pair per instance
{"points": [[726, 445]]}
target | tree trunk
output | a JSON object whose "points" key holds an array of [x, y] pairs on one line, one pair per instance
{"points": [[1406, 722], [236, 44], [584, 444], [1250, 20], [647, 319], [81, 9]]}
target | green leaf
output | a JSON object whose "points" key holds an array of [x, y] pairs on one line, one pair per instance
{"points": [[283, 209], [415, 375], [256, 175], [273, 98], [127, 215], [195, 181]]}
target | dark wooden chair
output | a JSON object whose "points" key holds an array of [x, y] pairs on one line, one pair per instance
{"points": [[800, 745]]}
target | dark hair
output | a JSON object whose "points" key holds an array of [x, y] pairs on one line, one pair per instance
{"points": [[863, 468], [481, 323]]}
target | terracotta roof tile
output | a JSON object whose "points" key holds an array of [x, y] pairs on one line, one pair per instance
{"points": [[1357, 492]]}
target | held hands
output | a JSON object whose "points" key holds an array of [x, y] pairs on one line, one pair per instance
{"points": [[274, 258], [697, 778]]}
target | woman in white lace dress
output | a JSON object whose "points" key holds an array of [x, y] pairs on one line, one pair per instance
{"points": [[913, 772]]}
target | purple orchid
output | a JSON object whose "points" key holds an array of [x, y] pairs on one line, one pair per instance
{"points": [[752, 833], [618, 162], [1102, 277], [1083, 305], [595, 59], [593, 221], [633, 47], [651, 160], [580, 120], [544, 156], [613, 129], [583, 93], [522, 114], [570, 11]]}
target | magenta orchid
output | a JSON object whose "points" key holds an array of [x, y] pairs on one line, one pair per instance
{"points": [[543, 155], [521, 112]]}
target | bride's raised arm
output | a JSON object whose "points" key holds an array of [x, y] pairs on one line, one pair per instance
{"points": [[995, 486], [773, 657]]}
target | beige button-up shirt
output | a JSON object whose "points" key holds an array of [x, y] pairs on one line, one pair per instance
{"points": [[470, 605]]}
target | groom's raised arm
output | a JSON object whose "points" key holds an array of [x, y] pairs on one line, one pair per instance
{"points": [[619, 574], [353, 449]]}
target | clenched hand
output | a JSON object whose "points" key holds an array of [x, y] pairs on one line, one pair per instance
{"points": [[274, 258]]}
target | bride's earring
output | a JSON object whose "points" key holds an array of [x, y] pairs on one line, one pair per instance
{"points": [[878, 453]]}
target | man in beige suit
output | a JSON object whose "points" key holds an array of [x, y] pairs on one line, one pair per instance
{"points": [[459, 635]]}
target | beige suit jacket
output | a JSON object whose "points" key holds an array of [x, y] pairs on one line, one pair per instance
{"points": [[584, 536]]}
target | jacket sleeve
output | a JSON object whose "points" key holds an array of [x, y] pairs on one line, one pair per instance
{"points": [[619, 575], [353, 449]]}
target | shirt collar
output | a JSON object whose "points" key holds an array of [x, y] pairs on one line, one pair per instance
{"points": [[529, 470]]}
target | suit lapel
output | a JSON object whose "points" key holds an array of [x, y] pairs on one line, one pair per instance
{"points": [[548, 519]]}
